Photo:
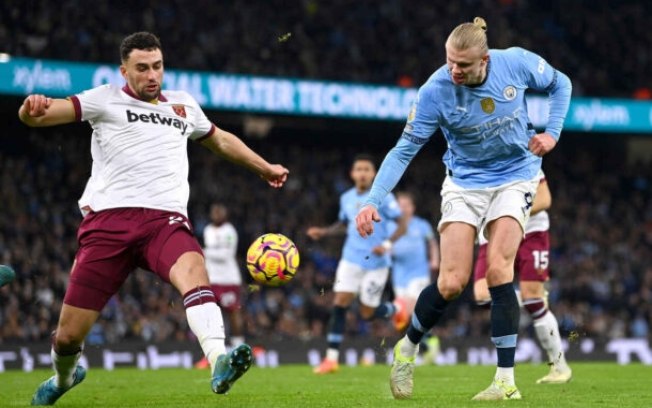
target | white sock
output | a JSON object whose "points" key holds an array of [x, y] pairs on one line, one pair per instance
{"points": [[505, 374], [547, 330], [64, 367], [408, 349], [237, 341], [332, 354], [205, 320]]}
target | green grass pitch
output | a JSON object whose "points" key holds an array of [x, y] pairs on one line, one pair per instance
{"points": [[593, 385]]}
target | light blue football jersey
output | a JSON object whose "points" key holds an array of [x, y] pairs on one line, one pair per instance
{"points": [[410, 252], [357, 249], [486, 127]]}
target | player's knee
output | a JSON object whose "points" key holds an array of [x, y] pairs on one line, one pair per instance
{"points": [[499, 274], [192, 273], [450, 288]]}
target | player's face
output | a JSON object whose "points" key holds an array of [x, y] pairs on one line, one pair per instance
{"points": [[218, 215], [467, 67], [406, 205], [362, 174], [144, 73]]}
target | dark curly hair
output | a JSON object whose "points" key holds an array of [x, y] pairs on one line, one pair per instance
{"points": [[139, 41]]}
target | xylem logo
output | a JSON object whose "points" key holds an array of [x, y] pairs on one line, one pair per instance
{"points": [[597, 114], [41, 78], [157, 119]]}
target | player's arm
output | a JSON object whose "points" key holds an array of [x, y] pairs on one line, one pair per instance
{"points": [[541, 76], [421, 124], [401, 229], [335, 229], [543, 199], [386, 246], [228, 145], [39, 111]]}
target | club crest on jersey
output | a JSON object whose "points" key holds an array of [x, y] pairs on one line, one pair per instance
{"points": [[509, 92], [488, 105], [180, 110]]}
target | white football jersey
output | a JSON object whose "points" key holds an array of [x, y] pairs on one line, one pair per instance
{"points": [[139, 148], [220, 246]]}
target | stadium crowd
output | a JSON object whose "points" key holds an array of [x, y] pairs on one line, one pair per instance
{"points": [[601, 239], [387, 41]]}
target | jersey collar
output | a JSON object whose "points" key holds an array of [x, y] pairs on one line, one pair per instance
{"points": [[128, 91]]}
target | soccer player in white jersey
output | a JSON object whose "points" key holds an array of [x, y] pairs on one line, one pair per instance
{"points": [[220, 247], [134, 207], [494, 155], [364, 267], [531, 265]]}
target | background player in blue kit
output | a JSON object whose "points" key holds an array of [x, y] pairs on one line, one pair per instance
{"points": [[364, 267], [493, 159], [414, 255]]}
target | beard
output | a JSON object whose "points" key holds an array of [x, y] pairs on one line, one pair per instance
{"points": [[148, 95]]}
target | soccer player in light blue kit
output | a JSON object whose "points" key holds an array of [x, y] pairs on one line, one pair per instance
{"points": [[364, 267], [493, 160], [414, 255]]}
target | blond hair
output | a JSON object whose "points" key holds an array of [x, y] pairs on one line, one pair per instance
{"points": [[467, 35]]}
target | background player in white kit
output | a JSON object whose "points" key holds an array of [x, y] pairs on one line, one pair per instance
{"points": [[134, 207], [531, 266], [220, 247]]}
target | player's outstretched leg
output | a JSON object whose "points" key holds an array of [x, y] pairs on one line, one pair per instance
{"points": [[504, 326], [229, 367], [547, 330], [429, 308], [68, 374], [401, 377], [205, 321]]}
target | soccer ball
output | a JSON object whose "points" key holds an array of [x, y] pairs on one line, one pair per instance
{"points": [[272, 259]]}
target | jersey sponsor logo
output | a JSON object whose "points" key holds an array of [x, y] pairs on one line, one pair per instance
{"points": [[509, 92], [488, 105], [156, 119], [495, 126], [180, 110]]}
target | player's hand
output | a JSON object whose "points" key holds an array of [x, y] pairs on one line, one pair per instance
{"points": [[365, 219], [315, 233], [541, 144], [276, 175], [36, 105], [379, 250]]}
